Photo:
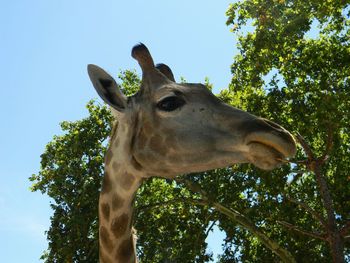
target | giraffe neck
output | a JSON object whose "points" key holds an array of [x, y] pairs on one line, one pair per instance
{"points": [[116, 204], [115, 216]]}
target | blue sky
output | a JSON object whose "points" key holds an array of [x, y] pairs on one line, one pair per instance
{"points": [[44, 49]]}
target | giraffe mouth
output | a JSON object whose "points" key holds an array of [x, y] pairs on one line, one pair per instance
{"points": [[265, 156], [284, 149], [269, 145]]}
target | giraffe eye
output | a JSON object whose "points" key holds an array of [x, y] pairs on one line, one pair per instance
{"points": [[170, 103]]}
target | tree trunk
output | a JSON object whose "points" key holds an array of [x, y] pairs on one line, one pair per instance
{"points": [[334, 238]]}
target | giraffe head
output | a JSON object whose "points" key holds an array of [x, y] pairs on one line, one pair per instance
{"points": [[177, 128]]}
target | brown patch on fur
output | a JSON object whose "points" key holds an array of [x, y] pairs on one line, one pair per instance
{"points": [[136, 164], [119, 225], [106, 184], [156, 144], [117, 202], [127, 180], [146, 157], [105, 209], [103, 257], [105, 239], [142, 140], [171, 142], [125, 252], [133, 128], [108, 158], [147, 128]]}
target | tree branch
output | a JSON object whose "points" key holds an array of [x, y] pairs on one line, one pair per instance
{"points": [[240, 219], [308, 209], [172, 201], [302, 231], [298, 174], [160, 204], [329, 145], [293, 161], [315, 165], [210, 228], [306, 147]]}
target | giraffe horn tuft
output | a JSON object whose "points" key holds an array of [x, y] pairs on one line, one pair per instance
{"points": [[141, 53]]}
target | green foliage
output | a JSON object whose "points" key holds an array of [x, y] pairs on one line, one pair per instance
{"points": [[169, 229], [71, 171], [308, 93], [130, 82], [283, 73]]}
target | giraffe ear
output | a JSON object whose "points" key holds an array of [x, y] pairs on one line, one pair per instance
{"points": [[166, 71], [107, 88]]}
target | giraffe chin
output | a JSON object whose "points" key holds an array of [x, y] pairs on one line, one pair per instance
{"points": [[264, 156]]}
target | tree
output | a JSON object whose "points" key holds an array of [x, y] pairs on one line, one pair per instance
{"points": [[309, 93], [282, 74]]}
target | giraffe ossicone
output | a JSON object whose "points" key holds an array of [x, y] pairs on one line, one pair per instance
{"points": [[167, 129]]}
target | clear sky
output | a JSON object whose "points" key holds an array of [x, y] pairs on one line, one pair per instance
{"points": [[44, 49]]}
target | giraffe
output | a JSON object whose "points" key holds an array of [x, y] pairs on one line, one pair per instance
{"points": [[165, 130]]}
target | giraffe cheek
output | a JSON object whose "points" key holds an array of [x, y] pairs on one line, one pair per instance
{"points": [[142, 140], [176, 159], [157, 146], [145, 158], [171, 144], [152, 164]]}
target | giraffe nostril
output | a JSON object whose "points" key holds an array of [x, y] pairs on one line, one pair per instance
{"points": [[283, 133]]}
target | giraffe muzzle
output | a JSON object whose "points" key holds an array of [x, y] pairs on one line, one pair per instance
{"points": [[268, 144]]}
